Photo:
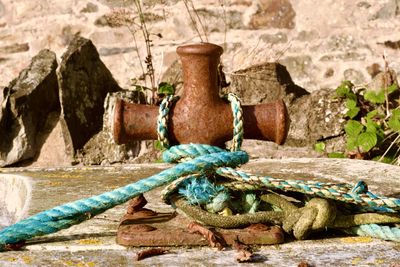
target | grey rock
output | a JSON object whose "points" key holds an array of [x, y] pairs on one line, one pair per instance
{"points": [[14, 48], [214, 22], [364, 4], [274, 38], [388, 11], [306, 36], [317, 117], [105, 51], [117, 3], [84, 83], [265, 83], [329, 73], [26, 104], [101, 149], [273, 14], [343, 43], [299, 66], [354, 76], [68, 34], [102, 21], [347, 56], [373, 69], [90, 8], [383, 79]]}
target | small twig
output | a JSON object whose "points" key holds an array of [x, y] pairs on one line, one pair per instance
{"points": [[245, 254], [390, 146], [283, 51], [222, 3], [212, 238], [137, 50], [386, 85], [200, 21], [193, 20], [149, 58], [150, 253]]}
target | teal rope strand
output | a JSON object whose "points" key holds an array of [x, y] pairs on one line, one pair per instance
{"points": [[66, 215], [341, 192], [162, 120], [188, 151], [376, 231], [238, 130]]}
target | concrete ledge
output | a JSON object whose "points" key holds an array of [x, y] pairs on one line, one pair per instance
{"points": [[92, 243]]}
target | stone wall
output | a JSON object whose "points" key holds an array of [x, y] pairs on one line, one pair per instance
{"points": [[320, 42]]}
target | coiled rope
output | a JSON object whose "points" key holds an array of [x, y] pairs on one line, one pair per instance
{"points": [[206, 161]]}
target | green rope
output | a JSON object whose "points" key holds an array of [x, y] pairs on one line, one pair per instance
{"points": [[317, 215]]}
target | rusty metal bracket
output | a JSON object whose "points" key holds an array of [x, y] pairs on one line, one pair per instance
{"points": [[200, 116], [144, 227]]}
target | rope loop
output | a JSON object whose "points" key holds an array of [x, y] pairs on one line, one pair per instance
{"points": [[238, 130], [168, 101], [162, 120]]}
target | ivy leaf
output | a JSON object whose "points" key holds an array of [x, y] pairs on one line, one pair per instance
{"points": [[351, 143], [344, 89], [394, 121], [372, 114], [375, 97], [371, 125], [319, 147], [351, 103], [367, 141], [336, 155], [392, 88], [166, 88], [353, 112], [353, 128], [158, 146]]}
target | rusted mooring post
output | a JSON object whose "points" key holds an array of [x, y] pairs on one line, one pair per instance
{"points": [[200, 115]]}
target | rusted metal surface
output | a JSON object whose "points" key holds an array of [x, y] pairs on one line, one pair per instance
{"points": [[151, 229], [200, 116]]}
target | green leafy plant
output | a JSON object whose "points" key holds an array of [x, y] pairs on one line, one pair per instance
{"points": [[372, 129]]}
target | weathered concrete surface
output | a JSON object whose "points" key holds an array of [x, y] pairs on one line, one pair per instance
{"points": [[93, 243]]}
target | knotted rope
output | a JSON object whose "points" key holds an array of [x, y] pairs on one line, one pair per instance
{"points": [[212, 162]]}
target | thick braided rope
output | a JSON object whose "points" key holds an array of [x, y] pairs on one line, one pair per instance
{"points": [[189, 151], [162, 119], [66, 215], [238, 130], [376, 231], [341, 192]]}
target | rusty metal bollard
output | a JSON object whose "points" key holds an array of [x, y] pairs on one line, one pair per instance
{"points": [[200, 115]]}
